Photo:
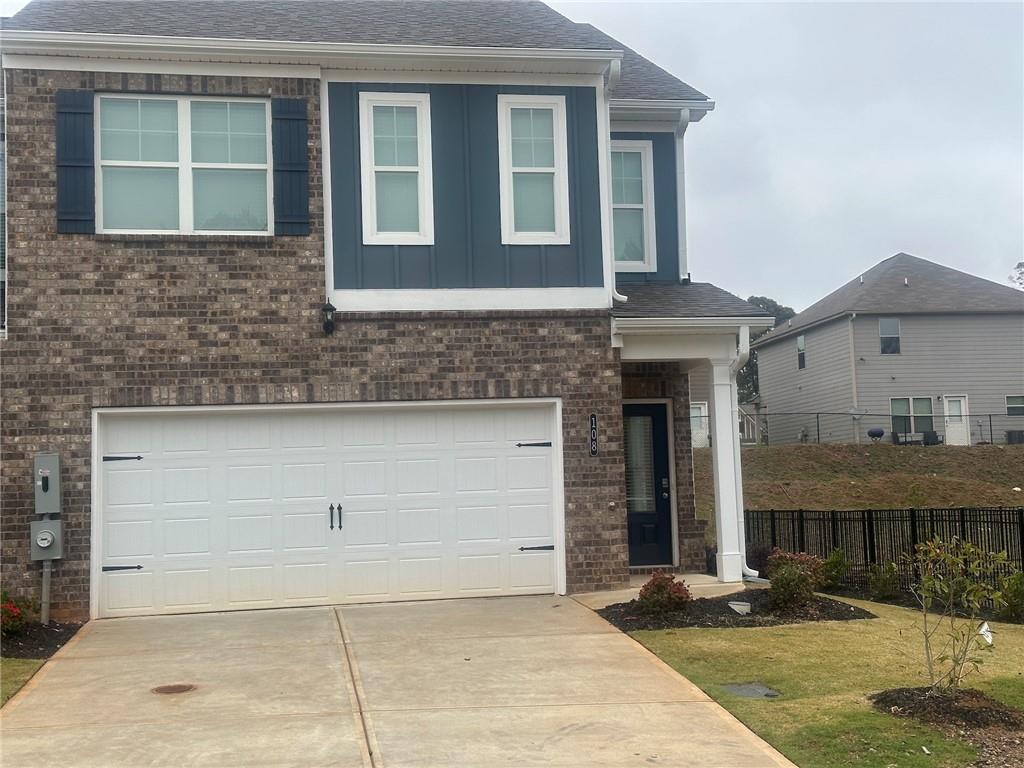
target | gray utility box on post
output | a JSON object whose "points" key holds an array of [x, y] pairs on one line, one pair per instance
{"points": [[46, 474], [47, 540]]}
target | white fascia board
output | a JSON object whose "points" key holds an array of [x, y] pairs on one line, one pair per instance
{"points": [[467, 299], [641, 110], [340, 55], [653, 325]]}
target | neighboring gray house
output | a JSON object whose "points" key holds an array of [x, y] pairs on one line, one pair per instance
{"points": [[911, 347]]}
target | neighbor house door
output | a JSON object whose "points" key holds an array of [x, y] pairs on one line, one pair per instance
{"points": [[958, 427], [648, 492]]}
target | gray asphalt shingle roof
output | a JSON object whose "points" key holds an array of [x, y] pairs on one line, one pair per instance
{"points": [[482, 23], [672, 299], [906, 285]]}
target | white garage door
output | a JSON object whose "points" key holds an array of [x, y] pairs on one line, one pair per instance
{"points": [[232, 509]]}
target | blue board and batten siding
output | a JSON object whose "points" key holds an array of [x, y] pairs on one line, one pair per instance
{"points": [[666, 212], [467, 250]]}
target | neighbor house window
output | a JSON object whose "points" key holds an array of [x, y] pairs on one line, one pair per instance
{"points": [[633, 206], [397, 178], [801, 352], [889, 333], [533, 170], [1015, 405], [183, 165], [911, 414]]}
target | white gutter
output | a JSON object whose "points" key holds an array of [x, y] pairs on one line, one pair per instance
{"points": [[671, 324], [551, 60], [742, 355]]}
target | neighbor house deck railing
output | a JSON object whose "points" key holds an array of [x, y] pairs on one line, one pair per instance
{"points": [[880, 536]]}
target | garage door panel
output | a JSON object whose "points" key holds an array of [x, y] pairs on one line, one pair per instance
{"points": [[130, 487], [250, 533], [250, 584], [419, 526], [365, 528], [186, 485], [254, 482], [188, 588], [230, 511], [187, 536], [365, 478], [530, 570], [477, 524], [303, 481]]}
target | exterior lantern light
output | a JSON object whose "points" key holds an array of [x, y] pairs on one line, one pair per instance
{"points": [[328, 311]]}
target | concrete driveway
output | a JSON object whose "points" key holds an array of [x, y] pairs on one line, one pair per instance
{"points": [[522, 681]]}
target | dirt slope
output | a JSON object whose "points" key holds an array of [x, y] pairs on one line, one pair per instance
{"points": [[870, 476]]}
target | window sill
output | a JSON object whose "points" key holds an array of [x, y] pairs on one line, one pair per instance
{"points": [[173, 237]]}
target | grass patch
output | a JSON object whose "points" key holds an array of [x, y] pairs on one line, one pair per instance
{"points": [[825, 672], [867, 476], [14, 673]]}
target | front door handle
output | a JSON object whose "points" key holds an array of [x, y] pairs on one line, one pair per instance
{"points": [[339, 515], [332, 517]]}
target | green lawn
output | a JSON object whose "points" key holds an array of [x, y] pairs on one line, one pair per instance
{"points": [[14, 673], [824, 672]]}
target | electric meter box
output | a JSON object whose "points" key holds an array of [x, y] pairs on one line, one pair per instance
{"points": [[47, 540], [46, 478]]}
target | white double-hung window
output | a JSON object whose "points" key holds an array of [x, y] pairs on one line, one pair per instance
{"points": [[396, 165], [633, 206], [187, 165], [533, 170]]}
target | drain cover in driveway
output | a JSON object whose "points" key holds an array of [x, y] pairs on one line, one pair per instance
{"points": [[176, 688], [752, 690]]}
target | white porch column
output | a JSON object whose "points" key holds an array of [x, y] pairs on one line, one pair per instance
{"points": [[724, 414]]}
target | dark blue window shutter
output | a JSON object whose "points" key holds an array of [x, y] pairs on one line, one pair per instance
{"points": [[291, 166], [76, 173]]}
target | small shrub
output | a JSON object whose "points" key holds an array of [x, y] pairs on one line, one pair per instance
{"points": [[662, 594], [883, 581], [791, 586], [955, 581], [809, 564], [834, 569], [1012, 587], [13, 614]]}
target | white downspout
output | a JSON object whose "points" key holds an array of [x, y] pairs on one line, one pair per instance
{"points": [[684, 121], [742, 355], [614, 73]]}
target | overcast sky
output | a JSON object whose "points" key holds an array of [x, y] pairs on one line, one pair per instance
{"points": [[843, 133]]}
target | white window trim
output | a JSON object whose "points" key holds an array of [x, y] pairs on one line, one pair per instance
{"points": [[424, 169], [898, 335], [646, 150], [913, 416], [506, 102], [184, 165], [1008, 406]]}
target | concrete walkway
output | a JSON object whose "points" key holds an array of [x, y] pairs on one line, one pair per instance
{"points": [[525, 681]]}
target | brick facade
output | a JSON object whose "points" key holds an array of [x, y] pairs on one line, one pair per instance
{"points": [[117, 320], [671, 380]]}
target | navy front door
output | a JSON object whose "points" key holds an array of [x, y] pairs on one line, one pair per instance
{"points": [[648, 492]]}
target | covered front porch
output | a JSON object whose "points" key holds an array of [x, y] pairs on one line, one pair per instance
{"points": [[668, 333]]}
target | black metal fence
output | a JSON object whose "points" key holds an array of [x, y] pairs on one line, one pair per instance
{"points": [[881, 536], [792, 427]]}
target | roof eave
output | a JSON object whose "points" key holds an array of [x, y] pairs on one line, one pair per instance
{"points": [[326, 54], [659, 109]]}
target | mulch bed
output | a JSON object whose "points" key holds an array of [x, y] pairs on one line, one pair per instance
{"points": [[996, 729], [36, 641], [715, 612]]}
